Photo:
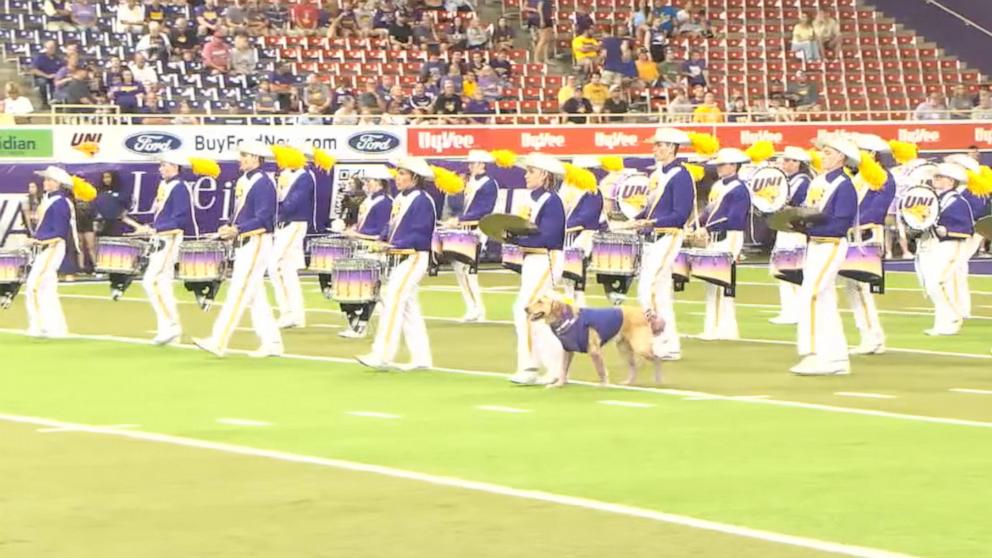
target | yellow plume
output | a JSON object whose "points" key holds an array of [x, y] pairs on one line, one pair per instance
{"points": [[760, 151], [393, 172], [697, 172], [920, 211], [288, 157], [980, 183], [447, 181], [611, 163], [204, 167], [903, 151], [580, 178], [83, 190], [637, 200], [704, 144], [504, 158], [323, 159], [871, 172], [815, 160]]}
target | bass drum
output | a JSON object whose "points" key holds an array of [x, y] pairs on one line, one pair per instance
{"points": [[769, 188], [919, 207], [628, 192]]}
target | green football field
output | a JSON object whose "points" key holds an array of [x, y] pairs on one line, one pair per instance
{"points": [[112, 447]]}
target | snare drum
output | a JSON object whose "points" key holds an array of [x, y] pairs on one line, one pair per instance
{"points": [[14, 266], [202, 261], [714, 267], [864, 263], [575, 265], [787, 264], [513, 257], [326, 251], [356, 281], [123, 256], [460, 245], [681, 268], [617, 254]]}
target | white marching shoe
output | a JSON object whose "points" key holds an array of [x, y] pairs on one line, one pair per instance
{"points": [[869, 347], [473, 317], [413, 367], [526, 377], [169, 336], [783, 320], [290, 322], [208, 345], [372, 361], [812, 365], [358, 332], [268, 350]]}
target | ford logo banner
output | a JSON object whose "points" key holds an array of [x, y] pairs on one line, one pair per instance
{"points": [[152, 143], [373, 142]]}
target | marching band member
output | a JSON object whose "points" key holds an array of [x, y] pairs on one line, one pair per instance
{"points": [[174, 219], [297, 191], [724, 220], [821, 343], [480, 200], [251, 230], [408, 235], [875, 196], [536, 343], [373, 222], [979, 202], [584, 215], [670, 203], [795, 163], [56, 229], [943, 248]]}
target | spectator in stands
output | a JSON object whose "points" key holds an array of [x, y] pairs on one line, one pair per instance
{"points": [[244, 57], [312, 117], [655, 39], [395, 95], [434, 65], [31, 204], [502, 65], [304, 18], [698, 94], [477, 104], [804, 41], [83, 14], [738, 111], [449, 102], [982, 112], [960, 103], [502, 34], [476, 36], [539, 19], [383, 18], [216, 54], [346, 115], [208, 18], [65, 75], [647, 71], [186, 116], [58, 15], [130, 17], [827, 31], [671, 15], [618, 62], [424, 33], [779, 111], [16, 104], [258, 19], [804, 94], [112, 73], [696, 26], [393, 116], [932, 109], [596, 92], [454, 77], [469, 85], [344, 23], [371, 98], [266, 101], [616, 104], [708, 112], [77, 91], [581, 20], [400, 33], [453, 34], [577, 108], [585, 51], [153, 108], [143, 72], [155, 46], [156, 12], [182, 37], [420, 99], [44, 66], [490, 84], [128, 93], [694, 70], [567, 90], [476, 62]]}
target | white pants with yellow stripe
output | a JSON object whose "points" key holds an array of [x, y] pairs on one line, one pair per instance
{"points": [[821, 332], [655, 290], [961, 287], [475, 308], [938, 263], [158, 286], [862, 302], [45, 317], [721, 311], [284, 265], [788, 292], [536, 343], [247, 289], [401, 314]]}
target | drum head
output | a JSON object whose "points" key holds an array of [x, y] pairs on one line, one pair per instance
{"points": [[498, 224], [769, 189], [782, 220], [983, 226], [630, 193], [919, 207]]}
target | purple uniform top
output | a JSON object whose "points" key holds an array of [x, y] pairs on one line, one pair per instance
{"points": [[574, 332]]}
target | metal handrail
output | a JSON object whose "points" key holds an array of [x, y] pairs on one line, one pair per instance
{"points": [[959, 16]]}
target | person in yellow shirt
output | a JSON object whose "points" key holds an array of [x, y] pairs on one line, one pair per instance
{"points": [[585, 50], [709, 112], [647, 70], [567, 91], [469, 85], [597, 92]]}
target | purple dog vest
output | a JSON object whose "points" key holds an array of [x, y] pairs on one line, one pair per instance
{"points": [[574, 331]]}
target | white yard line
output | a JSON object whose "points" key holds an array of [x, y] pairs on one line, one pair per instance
{"points": [[243, 422], [476, 486], [373, 414], [632, 404], [864, 395], [502, 409], [972, 391], [660, 391], [111, 426]]}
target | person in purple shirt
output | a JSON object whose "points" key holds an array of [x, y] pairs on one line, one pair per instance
{"points": [[408, 236], [44, 66], [55, 233], [373, 221], [584, 217], [724, 220], [250, 230], [479, 105], [543, 209], [128, 93], [979, 209], [794, 162], [821, 340]]}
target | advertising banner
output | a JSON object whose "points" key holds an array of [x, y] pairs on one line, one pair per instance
{"points": [[26, 143]]}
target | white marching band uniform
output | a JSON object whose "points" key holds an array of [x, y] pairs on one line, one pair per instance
{"points": [[297, 207], [788, 291], [56, 228], [979, 209], [480, 200]]}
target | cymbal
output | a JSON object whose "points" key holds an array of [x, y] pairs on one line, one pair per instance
{"points": [[498, 225], [782, 219], [983, 226]]}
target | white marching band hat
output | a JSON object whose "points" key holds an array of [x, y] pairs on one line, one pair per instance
{"points": [[842, 144], [56, 174], [952, 170], [795, 154], [173, 158], [376, 172], [256, 148], [871, 142], [730, 156], [543, 162], [480, 156], [670, 135], [587, 162], [416, 165], [965, 161]]}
